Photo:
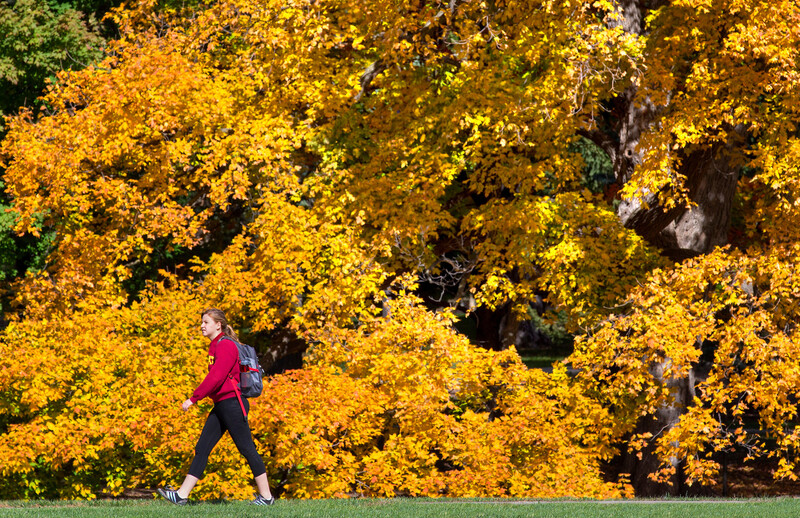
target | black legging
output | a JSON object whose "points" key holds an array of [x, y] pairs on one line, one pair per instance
{"points": [[226, 415]]}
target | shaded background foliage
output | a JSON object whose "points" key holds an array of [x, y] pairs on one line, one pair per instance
{"points": [[40, 38]]}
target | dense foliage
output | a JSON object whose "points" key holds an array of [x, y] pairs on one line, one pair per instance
{"points": [[39, 40]]}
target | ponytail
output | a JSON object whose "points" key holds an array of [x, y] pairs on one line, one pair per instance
{"points": [[230, 333]]}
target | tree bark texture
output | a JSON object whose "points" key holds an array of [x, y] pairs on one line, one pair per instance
{"points": [[679, 232]]}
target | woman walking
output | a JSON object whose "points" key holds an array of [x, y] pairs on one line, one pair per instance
{"points": [[229, 412]]}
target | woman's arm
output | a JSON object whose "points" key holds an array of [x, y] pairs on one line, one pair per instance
{"points": [[227, 356]]}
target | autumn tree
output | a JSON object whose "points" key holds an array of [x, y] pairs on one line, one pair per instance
{"points": [[310, 157], [706, 134], [39, 40]]}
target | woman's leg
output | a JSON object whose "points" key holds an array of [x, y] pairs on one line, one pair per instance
{"points": [[187, 486], [237, 426], [209, 437], [262, 483]]}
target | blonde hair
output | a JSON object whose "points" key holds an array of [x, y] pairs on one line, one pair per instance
{"points": [[217, 315]]}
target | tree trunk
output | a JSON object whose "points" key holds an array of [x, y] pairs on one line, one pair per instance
{"points": [[488, 326], [665, 417], [680, 232], [688, 231]]}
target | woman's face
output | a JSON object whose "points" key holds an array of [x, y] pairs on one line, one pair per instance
{"points": [[210, 328]]}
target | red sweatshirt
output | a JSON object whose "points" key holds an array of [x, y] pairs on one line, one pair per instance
{"points": [[223, 361]]}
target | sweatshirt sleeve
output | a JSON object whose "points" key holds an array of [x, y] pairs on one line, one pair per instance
{"points": [[227, 355]]}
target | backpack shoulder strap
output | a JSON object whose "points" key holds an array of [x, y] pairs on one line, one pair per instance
{"points": [[233, 382], [238, 396]]}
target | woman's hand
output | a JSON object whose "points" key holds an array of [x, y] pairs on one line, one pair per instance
{"points": [[186, 405]]}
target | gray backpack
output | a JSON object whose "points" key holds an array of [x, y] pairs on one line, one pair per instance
{"points": [[251, 374]]}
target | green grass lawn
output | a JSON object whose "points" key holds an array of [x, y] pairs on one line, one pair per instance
{"points": [[416, 508]]}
